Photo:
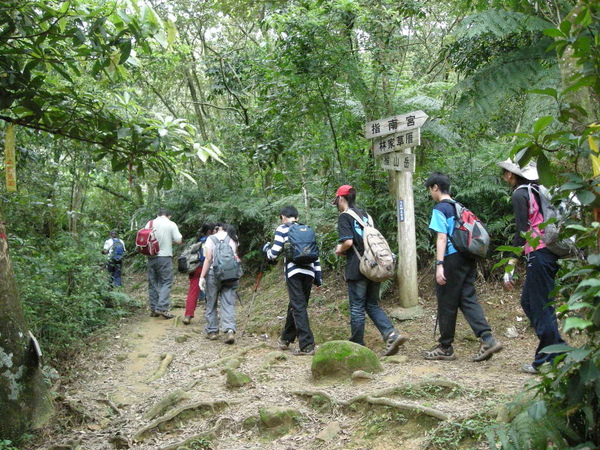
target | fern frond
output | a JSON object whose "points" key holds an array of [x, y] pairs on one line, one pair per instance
{"points": [[509, 77], [500, 23]]}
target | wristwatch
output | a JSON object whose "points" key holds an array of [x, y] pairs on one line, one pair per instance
{"points": [[439, 262]]}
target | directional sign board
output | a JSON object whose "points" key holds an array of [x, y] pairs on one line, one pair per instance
{"points": [[402, 162], [397, 141], [395, 124]]}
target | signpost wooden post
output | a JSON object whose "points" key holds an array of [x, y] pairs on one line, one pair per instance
{"points": [[393, 139]]}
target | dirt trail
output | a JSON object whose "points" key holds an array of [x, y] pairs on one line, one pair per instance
{"points": [[109, 395]]}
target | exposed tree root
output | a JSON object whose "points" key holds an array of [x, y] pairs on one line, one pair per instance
{"points": [[227, 358], [110, 403], [212, 432], [165, 404], [176, 418], [407, 407], [379, 397], [162, 369]]}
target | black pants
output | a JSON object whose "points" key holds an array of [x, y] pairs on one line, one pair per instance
{"points": [[459, 293], [542, 267], [296, 323]]}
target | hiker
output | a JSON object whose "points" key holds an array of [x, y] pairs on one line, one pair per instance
{"points": [[455, 280], [160, 266], [299, 279], [541, 266], [115, 249], [194, 292], [363, 294], [208, 281]]}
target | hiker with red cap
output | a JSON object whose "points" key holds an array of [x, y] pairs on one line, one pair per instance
{"points": [[363, 294]]}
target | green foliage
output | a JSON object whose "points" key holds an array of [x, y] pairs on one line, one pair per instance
{"points": [[454, 435], [567, 411], [7, 445], [65, 292]]}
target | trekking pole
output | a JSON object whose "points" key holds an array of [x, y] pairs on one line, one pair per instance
{"points": [[239, 298], [435, 326], [258, 278]]}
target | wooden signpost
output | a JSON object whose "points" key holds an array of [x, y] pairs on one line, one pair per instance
{"points": [[393, 138]]}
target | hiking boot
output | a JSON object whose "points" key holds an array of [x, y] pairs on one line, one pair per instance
{"points": [[528, 368], [441, 353], [230, 337], [213, 336], [186, 320], [154, 314], [283, 344], [309, 350], [487, 349], [392, 343], [165, 314]]}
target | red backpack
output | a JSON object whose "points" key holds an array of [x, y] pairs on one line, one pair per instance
{"points": [[470, 237], [146, 242]]}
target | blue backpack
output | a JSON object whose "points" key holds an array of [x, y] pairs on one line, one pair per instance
{"points": [[117, 250], [301, 246]]}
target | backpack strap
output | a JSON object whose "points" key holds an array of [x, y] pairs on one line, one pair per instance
{"points": [[361, 223], [358, 219]]}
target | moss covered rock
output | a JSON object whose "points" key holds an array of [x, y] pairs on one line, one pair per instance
{"points": [[278, 417], [337, 359], [236, 379]]}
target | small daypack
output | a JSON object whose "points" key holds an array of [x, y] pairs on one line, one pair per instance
{"points": [[554, 220], [470, 238], [301, 246], [225, 263], [117, 250], [146, 242], [190, 258], [377, 262]]}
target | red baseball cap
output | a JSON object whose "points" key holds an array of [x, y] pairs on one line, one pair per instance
{"points": [[342, 190]]}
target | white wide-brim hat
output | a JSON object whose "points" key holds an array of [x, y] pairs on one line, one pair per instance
{"points": [[529, 171]]}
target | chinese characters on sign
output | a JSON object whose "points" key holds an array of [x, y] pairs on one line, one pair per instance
{"points": [[396, 142], [404, 162], [400, 210], [394, 124]]}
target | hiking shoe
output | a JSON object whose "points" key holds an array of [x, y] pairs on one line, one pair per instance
{"points": [[392, 343], [283, 344], [154, 314], [487, 349], [165, 314], [441, 353], [528, 368], [213, 336], [230, 337], [186, 320], [309, 350]]}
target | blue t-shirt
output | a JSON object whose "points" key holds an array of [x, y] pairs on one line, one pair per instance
{"points": [[442, 221]]}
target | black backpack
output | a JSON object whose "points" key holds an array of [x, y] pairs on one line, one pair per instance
{"points": [[301, 246]]}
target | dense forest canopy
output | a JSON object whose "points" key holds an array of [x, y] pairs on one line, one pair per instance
{"points": [[230, 109]]}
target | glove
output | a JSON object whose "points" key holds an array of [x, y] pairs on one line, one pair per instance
{"points": [[266, 247], [202, 284], [508, 277]]}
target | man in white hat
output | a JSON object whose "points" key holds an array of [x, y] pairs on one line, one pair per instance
{"points": [[541, 265]]}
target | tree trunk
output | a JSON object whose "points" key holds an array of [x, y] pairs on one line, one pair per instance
{"points": [[24, 397]]}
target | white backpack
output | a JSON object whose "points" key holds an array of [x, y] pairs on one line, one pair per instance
{"points": [[377, 262]]}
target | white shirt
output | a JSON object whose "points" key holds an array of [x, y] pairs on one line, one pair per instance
{"points": [[210, 244], [166, 233], [109, 243]]}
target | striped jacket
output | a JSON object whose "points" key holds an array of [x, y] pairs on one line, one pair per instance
{"points": [[291, 269]]}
